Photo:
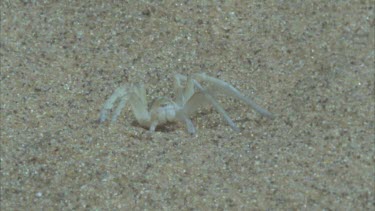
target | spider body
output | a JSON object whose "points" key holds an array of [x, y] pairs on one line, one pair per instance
{"points": [[190, 96], [164, 110]]}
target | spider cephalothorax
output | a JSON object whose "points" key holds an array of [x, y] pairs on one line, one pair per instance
{"points": [[189, 99]]}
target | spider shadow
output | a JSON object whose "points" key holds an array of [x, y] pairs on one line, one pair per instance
{"points": [[165, 128]]}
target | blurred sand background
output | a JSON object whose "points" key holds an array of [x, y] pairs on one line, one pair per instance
{"points": [[309, 62]]}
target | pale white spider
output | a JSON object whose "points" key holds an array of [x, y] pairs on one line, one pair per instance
{"points": [[189, 99]]}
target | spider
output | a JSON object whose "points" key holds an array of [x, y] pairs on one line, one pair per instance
{"points": [[189, 99]]}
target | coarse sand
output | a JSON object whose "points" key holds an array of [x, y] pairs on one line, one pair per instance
{"points": [[311, 63]]}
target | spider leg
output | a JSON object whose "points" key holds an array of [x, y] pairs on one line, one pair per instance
{"points": [[119, 93], [192, 101], [184, 93], [179, 89], [189, 100], [138, 104], [196, 101], [182, 116], [216, 105], [229, 90], [119, 109], [136, 95], [189, 125], [153, 126], [186, 96]]}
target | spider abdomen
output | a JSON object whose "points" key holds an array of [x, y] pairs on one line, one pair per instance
{"points": [[165, 114], [163, 110]]}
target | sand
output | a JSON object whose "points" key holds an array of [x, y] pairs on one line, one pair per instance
{"points": [[310, 63]]}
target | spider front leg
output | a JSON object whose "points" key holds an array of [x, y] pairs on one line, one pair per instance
{"points": [[191, 101], [216, 105], [220, 86]]}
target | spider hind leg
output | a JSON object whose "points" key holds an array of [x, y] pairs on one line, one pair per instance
{"points": [[119, 93]]}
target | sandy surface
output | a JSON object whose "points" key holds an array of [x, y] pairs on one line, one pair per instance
{"points": [[312, 64]]}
